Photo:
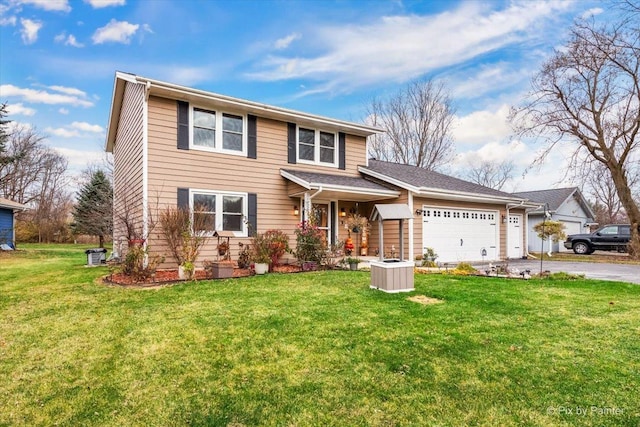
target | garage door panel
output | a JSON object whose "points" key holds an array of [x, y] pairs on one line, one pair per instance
{"points": [[459, 234]]}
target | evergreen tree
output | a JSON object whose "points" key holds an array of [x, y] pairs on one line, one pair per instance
{"points": [[93, 212]]}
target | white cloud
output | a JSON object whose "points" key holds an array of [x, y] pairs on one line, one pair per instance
{"points": [[9, 20], [69, 40], [594, 11], [42, 97], [475, 83], [482, 126], [284, 42], [116, 32], [79, 159], [63, 132], [29, 30], [49, 5], [87, 127], [76, 130], [68, 90], [63, 111], [19, 109], [98, 4], [400, 48]]}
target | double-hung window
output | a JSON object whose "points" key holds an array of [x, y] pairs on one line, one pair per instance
{"points": [[218, 131], [318, 147], [216, 210]]}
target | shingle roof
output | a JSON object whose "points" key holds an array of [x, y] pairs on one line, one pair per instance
{"points": [[337, 180], [423, 178], [554, 197], [6, 203]]}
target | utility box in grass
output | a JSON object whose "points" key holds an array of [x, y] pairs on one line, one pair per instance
{"points": [[96, 256], [392, 275]]}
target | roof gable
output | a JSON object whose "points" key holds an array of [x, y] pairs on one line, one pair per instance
{"points": [[555, 197]]}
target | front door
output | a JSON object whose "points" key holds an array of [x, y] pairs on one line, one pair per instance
{"points": [[514, 244], [320, 212]]}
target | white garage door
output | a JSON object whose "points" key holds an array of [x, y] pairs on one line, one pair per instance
{"points": [[569, 228], [460, 234]]}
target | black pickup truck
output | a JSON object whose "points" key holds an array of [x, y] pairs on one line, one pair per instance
{"points": [[612, 237]]}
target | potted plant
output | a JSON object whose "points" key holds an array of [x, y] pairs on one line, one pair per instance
{"points": [[179, 229], [186, 270], [353, 263], [357, 223], [259, 253], [223, 247]]}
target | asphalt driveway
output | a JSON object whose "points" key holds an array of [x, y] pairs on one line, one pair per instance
{"points": [[602, 271]]}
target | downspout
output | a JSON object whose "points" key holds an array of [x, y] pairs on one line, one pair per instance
{"points": [[145, 163], [410, 202]]}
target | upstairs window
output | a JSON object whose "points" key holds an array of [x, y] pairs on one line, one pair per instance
{"points": [[218, 131], [317, 147]]}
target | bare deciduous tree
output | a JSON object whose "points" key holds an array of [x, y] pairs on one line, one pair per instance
{"points": [[417, 121], [588, 94], [36, 176], [490, 174]]}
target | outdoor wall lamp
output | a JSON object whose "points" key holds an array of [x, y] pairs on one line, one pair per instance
{"points": [[343, 212], [419, 211], [296, 211], [504, 219]]}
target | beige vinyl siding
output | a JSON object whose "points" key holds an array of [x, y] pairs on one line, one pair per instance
{"points": [[170, 168], [128, 164]]}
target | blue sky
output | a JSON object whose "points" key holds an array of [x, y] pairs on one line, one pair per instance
{"points": [[58, 59]]}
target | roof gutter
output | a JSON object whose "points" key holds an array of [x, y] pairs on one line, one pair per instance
{"points": [[265, 110]]}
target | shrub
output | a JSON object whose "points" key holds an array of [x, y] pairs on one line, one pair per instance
{"points": [[184, 243], [139, 265], [277, 245], [429, 258], [310, 243]]}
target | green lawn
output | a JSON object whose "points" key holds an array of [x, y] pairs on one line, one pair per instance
{"points": [[311, 349]]}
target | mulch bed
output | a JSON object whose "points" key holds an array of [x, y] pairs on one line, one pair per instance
{"points": [[166, 277]]}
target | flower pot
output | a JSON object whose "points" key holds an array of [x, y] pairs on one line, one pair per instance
{"points": [[261, 267], [222, 270], [353, 266], [184, 274]]}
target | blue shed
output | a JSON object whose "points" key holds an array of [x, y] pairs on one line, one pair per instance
{"points": [[7, 215]]}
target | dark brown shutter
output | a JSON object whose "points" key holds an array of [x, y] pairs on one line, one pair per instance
{"points": [[252, 215], [291, 142], [342, 156], [183, 198], [334, 224], [252, 137], [183, 125]]}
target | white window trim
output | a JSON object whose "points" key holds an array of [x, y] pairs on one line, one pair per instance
{"points": [[219, 132], [316, 147], [219, 212]]}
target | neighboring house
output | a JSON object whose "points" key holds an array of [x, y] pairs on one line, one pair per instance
{"points": [[566, 205], [257, 167], [8, 210]]}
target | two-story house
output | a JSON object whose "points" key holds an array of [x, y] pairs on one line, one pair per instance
{"points": [[256, 167]]}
